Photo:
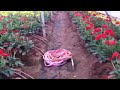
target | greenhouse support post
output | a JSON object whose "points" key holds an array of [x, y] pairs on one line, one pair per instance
{"points": [[108, 15], [43, 23]]}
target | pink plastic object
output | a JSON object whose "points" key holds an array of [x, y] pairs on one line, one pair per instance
{"points": [[56, 57]]}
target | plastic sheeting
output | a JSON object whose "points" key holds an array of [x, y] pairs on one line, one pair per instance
{"points": [[112, 13]]}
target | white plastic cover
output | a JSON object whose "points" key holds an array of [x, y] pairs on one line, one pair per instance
{"points": [[112, 13]]}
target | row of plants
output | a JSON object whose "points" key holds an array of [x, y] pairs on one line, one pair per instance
{"points": [[101, 36], [14, 28], [114, 20], [27, 22]]}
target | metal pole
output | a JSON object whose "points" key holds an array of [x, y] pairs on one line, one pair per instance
{"points": [[109, 18], [108, 15], [43, 24]]}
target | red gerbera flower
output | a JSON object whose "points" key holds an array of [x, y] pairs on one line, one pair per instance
{"points": [[109, 59], [83, 19], [117, 23], [106, 42], [5, 54], [112, 42], [103, 35], [90, 19], [115, 54], [94, 14], [1, 17], [105, 77], [14, 49], [1, 51], [93, 32], [109, 32], [96, 30], [25, 26], [88, 28], [92, 25], [24, 19], [3, 31], [104, 26], [98, 37], [107, 17], [77, 14], [108, 20], [118, 57], [84, 16]]}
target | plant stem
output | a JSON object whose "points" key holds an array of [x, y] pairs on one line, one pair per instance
{"points": [[113, 65], [14, 54]]}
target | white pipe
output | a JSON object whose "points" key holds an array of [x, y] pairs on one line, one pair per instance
{"points": [[43, 24]]}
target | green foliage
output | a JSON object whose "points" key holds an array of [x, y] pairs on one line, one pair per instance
{"points": [[98, 47], [13, 40]]}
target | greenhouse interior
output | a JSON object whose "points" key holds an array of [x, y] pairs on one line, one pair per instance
{"points": [[59, 44]]}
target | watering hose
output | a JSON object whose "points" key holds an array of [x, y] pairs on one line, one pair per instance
{"points": [[57, 57]]}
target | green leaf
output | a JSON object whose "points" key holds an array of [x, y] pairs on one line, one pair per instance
{"points": [[7, 71], [118, 61], [1, 77], [1, 26], [2, 63], [19, 63]]}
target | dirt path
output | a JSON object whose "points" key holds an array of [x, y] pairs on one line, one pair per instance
{"points": [[65, 36]]}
